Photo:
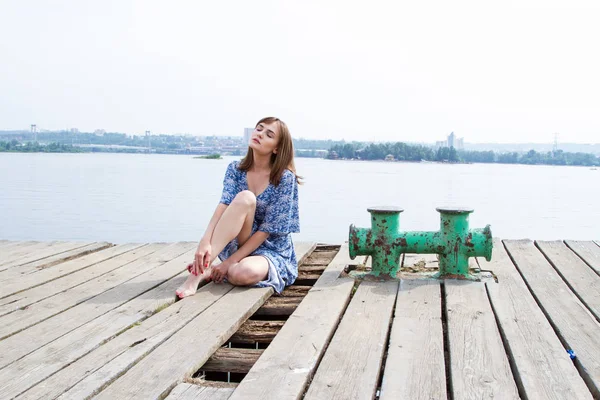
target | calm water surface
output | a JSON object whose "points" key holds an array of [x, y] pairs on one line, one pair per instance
{"points": [[141, 198]]}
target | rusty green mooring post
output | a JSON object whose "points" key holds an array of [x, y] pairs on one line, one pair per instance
{"points": [[454, 242]]}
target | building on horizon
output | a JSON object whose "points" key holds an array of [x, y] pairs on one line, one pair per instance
{"points": [[247, 134], [451, 141]]}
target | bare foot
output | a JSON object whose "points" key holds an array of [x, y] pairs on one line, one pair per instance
{"points": [[190, 286]]}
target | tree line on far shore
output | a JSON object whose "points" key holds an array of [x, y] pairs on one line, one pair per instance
{"points": [[374, 151], [35, 147], [404, 152]]}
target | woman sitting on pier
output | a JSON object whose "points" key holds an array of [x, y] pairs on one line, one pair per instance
{"points": [[251, 228]]}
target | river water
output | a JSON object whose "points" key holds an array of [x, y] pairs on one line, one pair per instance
{"points": [[150, 198]]}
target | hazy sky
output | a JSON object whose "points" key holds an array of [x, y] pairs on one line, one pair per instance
{"points": [[385, 70]]}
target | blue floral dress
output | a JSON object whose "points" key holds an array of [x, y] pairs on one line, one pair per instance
{"points": [[277, 214]]}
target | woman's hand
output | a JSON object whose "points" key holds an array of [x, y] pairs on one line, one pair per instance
{"points": [[219, 272], [202, 257]]}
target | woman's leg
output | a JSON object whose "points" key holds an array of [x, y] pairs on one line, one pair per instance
{"points": [[249, 271], [236, 221]]}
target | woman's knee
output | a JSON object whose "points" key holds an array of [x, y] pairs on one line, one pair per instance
{"points": [[245, 275], [245, 198]]}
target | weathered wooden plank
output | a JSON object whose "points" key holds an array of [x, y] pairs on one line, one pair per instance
{"points": [[23, 249], [316, 261], [47, 262], [186, 391], [114, 358], [22, 343], [304, 250], [96, 369], [542, 367], [38, 254], [575, 325], [8, 251], [589, 251], [579, 276], [63, 366], [232, 360], [414, 368], [479, 367], [26, 297], [286, 365], [319, 257], [312, 268], [18, 284], [152, 377], [306, 278], [350, 368], [253, 331], [147, 258], [296, 291], [281, 306], [9, 245]]}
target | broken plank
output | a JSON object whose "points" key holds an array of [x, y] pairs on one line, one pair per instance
{"points": [[588, 251], [414, 368], [279, 306], [538, 357], [303, 250], [312, 268], [584, 282], [253, 331], [319, 257], [86, 269], [186, 391], [296, 291], [146, 259], [24, 342], [96, 369], [232, 360], [152, 377], [571, 320], [479, 367], [306, 278], [290, 360], [350, 368]]}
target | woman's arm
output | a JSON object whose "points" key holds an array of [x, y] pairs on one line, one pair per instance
{"points": [[203, 255], [247, 248]]}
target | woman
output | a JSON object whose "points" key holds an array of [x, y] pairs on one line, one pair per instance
{"points": [[251, 228]]}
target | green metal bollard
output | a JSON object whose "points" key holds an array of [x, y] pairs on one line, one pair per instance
{"points": [[454, 242]]}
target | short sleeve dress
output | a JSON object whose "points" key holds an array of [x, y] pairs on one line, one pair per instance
{"points": [[277, 214]]}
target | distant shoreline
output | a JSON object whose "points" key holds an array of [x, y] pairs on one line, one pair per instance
{"points": [[208, 157]]}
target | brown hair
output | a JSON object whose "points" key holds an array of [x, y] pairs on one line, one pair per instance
{"points": [[284, 159]]}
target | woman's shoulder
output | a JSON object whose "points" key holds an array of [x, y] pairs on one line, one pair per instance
{"points": [[233, 172], [234, 167], [287, 176]]}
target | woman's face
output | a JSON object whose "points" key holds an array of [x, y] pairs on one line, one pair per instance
{"points": [[265, 138]]}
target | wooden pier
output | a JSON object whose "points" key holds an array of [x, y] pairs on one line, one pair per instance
{"points": [[97, 320]]}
